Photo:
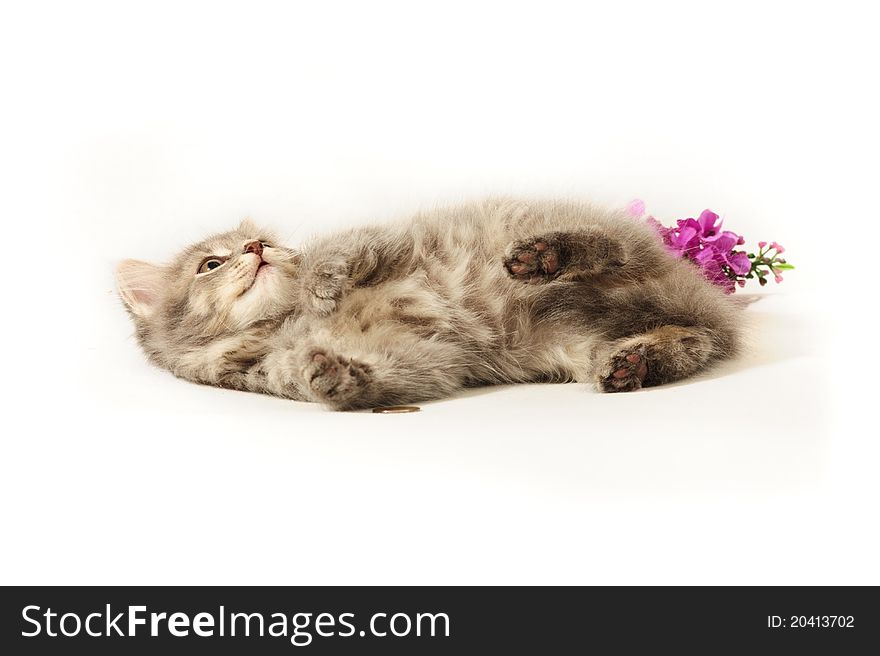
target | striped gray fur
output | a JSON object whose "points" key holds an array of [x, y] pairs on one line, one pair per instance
{"points": [[500, 291]]}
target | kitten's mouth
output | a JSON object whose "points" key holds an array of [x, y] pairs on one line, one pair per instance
{"points": [[260, 267]]}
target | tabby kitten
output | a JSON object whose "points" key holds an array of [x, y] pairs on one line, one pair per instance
{"points": [[500, 291]]}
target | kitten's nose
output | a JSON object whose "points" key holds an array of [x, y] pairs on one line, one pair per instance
{"points": [[254, 247]]}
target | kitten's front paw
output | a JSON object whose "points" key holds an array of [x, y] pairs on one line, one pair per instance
{"points": [[534, 260], [333, 379], [625, 371], [324, 286]]}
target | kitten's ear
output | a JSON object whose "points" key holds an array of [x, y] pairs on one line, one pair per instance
{"points": [[140, 286], [248, 227]]}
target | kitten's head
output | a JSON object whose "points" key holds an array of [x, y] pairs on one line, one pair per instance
{"points": [[214, 288]]}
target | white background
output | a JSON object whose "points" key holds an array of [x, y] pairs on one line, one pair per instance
{"points": [[128, 131]]}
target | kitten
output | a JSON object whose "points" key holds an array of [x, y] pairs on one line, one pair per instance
{"points": [[500, 291]]}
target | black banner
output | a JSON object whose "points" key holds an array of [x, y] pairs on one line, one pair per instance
{"points": [[436, 620]]}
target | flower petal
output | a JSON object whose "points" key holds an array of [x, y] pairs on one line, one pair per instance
{"points": [[708, 222], [725, 242], [688, 233], [704, 256], [636, 208], [740, 263]]}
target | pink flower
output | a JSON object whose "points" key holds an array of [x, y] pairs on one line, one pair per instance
{"points": [[702, 241], [711, 249], [739, 262], [636, 208], [710, 224]]}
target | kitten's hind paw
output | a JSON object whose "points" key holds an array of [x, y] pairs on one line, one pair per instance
{"points": [[534, 260], [625, 371], [335, 380]]}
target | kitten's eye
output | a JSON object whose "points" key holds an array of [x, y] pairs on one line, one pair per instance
{"points": [[265, 244], [210, 264]]}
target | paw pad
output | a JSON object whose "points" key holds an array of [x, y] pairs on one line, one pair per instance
{"points": [[333, 378], [628, 372], [533, 259]]}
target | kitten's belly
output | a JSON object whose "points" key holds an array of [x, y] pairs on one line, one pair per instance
{"points": [[485, 318]]}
